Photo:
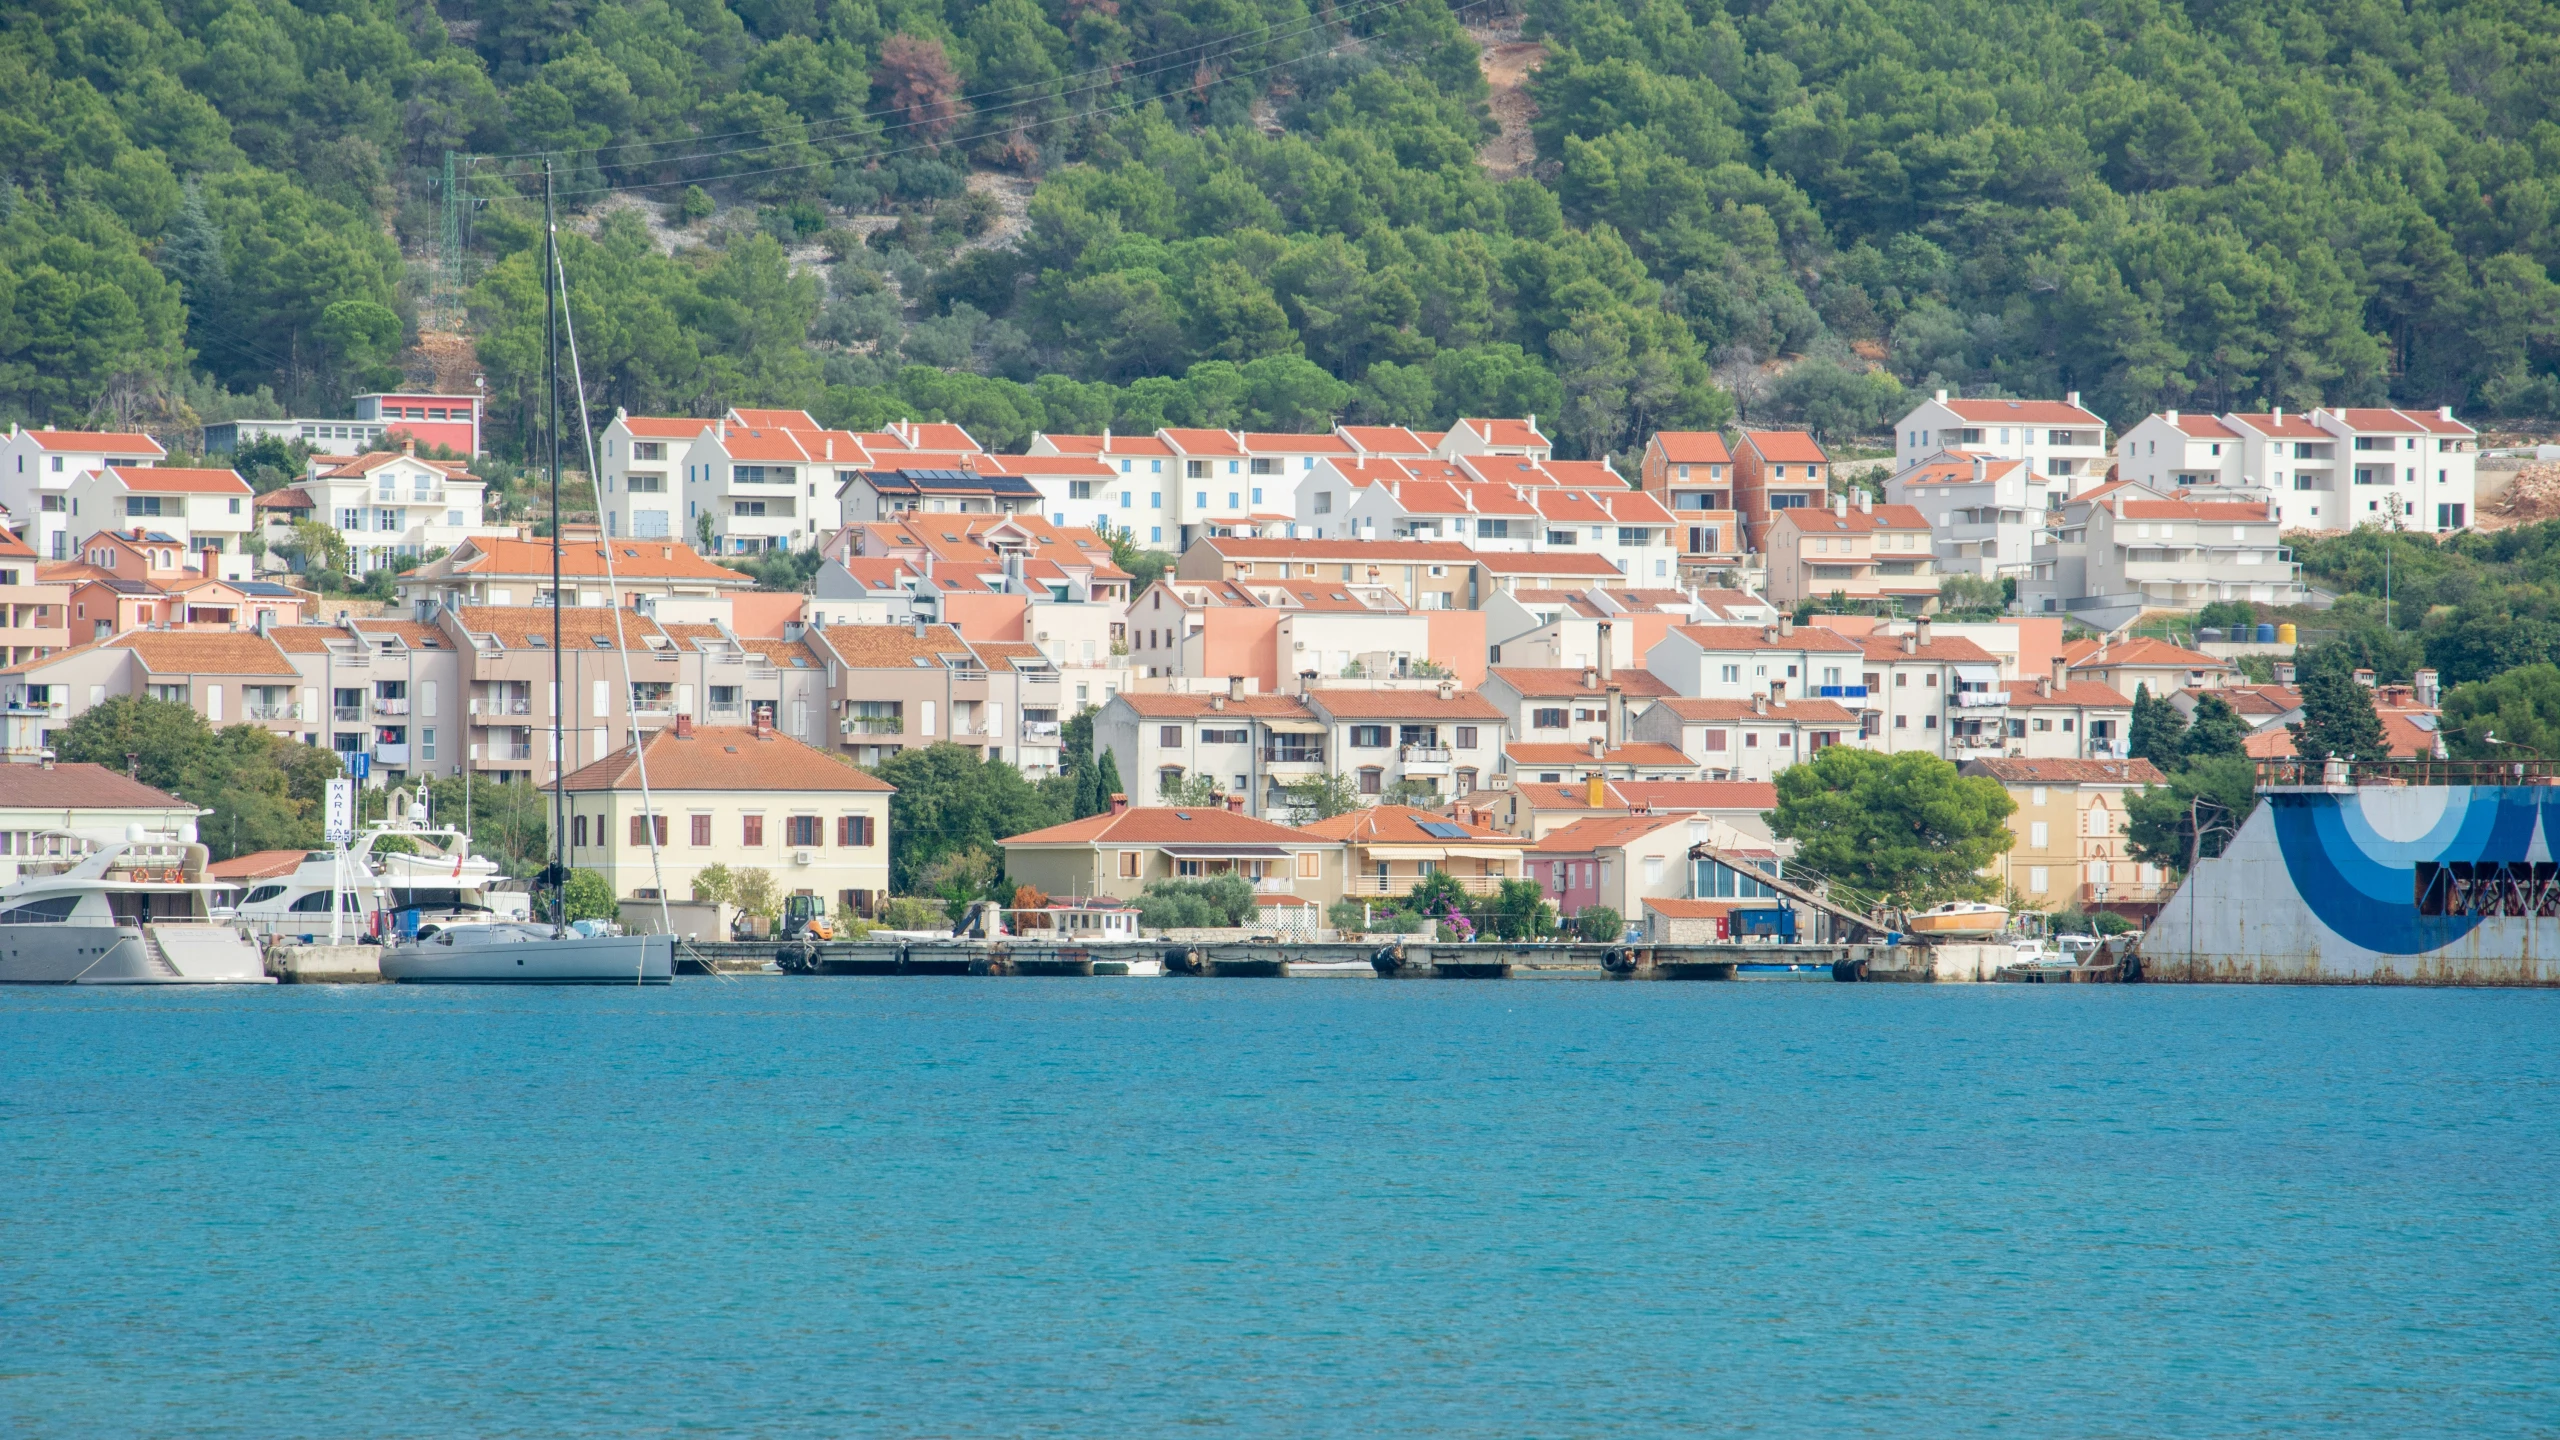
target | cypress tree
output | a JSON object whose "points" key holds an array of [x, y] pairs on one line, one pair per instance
{"points": [[1106, 782], [2155, 731], [2338, 720], [2216, 730]]}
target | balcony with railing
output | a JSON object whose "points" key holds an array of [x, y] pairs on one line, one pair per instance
{"points": [[1396, 885], [498, 705], [1424, 759], [1041, 729], [347, 714], [875, 725], [390, 707], [1303, 755], [269, 710], [1840, 692]]}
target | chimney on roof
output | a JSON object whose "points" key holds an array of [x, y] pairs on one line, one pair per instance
{"points": [[1921, 628], [1235, 804], [1981, 469], [2173, 417], [2444, 412], [1760, 704], [1599, 746], [1608, 637], [1787, 624], [1217, 702], [919, 629], [721, 426], [1448, 689], [1910, 644], [2061, 673], [1942, 397], [2115, 502], [1119, 803], [1590, 677], [1617, 715], [1235, 687], [2279, 416], [1840, 505], [2284, 672], [2072, 399], [1595, 792], [1866, 503], [684, 726], [1769, 635]]}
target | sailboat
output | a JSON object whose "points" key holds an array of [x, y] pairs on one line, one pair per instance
{"points": [[544, 951]]}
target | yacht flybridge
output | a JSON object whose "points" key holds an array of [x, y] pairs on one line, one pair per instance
{"points": [[407, 872], [135, 911]]}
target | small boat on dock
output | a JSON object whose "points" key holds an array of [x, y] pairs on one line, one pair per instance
{"points": [[526, 953], [1960, 917]]}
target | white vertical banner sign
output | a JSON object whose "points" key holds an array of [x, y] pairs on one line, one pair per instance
{"points": [[341, 826]]}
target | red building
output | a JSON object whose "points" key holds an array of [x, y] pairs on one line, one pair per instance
{"points": [[452, 421]]}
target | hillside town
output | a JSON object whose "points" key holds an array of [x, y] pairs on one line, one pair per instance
{"points": [[1334, 664]]}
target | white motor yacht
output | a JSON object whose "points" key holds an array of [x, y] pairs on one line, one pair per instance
{"points": [[525, 953], [129, 912], [428, 871]]}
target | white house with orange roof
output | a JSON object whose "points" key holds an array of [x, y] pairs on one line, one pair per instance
{"points": [[1283, 464], [1781, 660], [1496, 437], [2423, 459], [642, 459], [750, 488], [2330, 469], [2059, 439], [1143, 474], [389, 506], [2176, 450], [38, 467], [1750, 739], [209, 511], [1863, 552], [1075, 490], [1984, 513], [2188, 552], [2295, 464], [1385, 442], [500, 571]]}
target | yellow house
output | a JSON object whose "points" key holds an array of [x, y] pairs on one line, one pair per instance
{"points": [[2070, 850], [744, 796]]}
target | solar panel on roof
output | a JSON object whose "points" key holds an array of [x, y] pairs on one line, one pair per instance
{"points": [[1442, 829]]}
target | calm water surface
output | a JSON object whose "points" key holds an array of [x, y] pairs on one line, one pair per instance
{"points": [[1150, 1207]]}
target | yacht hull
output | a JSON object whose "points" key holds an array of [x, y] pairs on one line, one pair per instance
{"points": [[119, 955], [607, 960]]}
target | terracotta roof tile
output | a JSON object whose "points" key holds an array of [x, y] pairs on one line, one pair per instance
{"points": [[82, 786], [528, 627], [1604, 832], [2078, 695], [198, 652], [1538, 683], [2019, 771], [638, 560], [1183, 707], [2022, 412], [105, 441], [1949, 649], [876, 647], [1534, 753], [1795, 712], [1789, 446], [1757, 637], [728, 757], [1168, 825], [1692, 447], [1401, 825], [1401, 705], [177, 480]]}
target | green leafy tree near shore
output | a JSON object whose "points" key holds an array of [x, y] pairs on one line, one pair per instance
{"points": [[2519, 708], [588, 896], [1905, 825], [2338, 720], [264, 791]]}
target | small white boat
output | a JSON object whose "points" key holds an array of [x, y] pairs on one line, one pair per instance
{"points": [[1961, 917], [522, 953]]}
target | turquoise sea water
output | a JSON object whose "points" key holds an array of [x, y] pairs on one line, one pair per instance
{"points": [[1152, 1207]]}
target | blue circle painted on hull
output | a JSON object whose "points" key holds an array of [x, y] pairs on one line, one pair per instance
{"points": [[2364, 886]]}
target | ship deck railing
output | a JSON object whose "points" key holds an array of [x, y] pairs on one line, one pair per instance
{"points": [[2295, 772]]}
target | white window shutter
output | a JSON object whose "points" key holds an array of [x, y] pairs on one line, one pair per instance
{"points": [[603, 706], [427, 698]]}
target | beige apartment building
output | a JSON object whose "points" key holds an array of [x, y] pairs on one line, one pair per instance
{"points": [[1118, 853], [894, 687], [2068, 832], [736, 795]]}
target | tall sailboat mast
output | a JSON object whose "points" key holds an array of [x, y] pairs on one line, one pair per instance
{"points": [[551, 301]]}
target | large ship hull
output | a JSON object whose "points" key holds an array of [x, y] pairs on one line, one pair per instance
{"points": [[605, 960], [2398, 884], [74, 954]]}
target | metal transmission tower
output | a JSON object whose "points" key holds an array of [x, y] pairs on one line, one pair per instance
{"points": [[448, 291]]}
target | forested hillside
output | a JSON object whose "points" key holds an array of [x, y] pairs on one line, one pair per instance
{"points": [[1270, 213]]}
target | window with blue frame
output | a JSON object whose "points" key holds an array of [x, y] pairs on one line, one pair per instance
{"points": [[1718, 881]]}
